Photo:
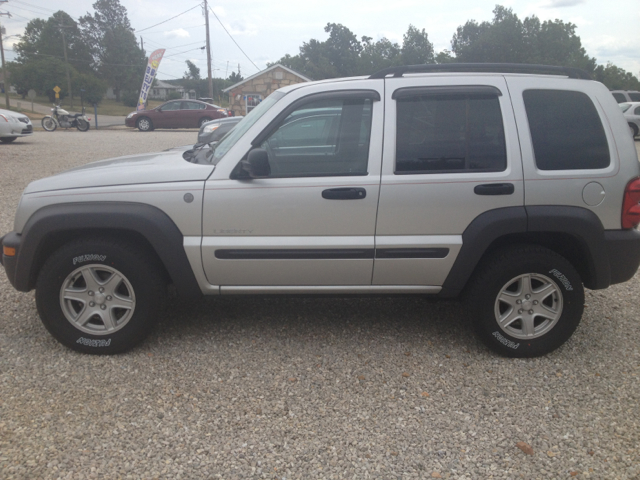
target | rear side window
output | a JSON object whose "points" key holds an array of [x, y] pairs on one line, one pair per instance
{"points": [[450, 133], [634, 96], [619, 97], [566, 130]]}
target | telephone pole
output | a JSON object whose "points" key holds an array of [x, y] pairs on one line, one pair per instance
{"points": [[66, 64], [206, 17], [5, 76]]}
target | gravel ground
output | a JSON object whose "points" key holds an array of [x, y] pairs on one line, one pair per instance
{"points": [[284, 388]]}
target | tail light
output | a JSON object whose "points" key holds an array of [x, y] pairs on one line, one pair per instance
{"points": [[631, 204]]}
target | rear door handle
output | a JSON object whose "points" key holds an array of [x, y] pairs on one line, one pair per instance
{"points": [[345, 193], [494, 189]]}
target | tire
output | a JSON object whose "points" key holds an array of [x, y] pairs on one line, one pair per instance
{"points": [[634, 129], [536, 293], [203, 121], [8, 139], [49, 124], [82, 125], [144, 124], [85, 318]]}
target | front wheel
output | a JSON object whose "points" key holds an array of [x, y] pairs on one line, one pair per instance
{"points": [[99, 295], [82, 125], [49, 124], [526, 301], [144, 124], [203, 121], [8, 139]]}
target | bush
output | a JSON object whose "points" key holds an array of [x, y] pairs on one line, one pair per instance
{"points": [[174, 96], [130, 98]]}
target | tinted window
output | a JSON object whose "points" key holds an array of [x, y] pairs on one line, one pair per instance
{"points": [[566, 130], [636, 111], [634, 96], [168, 107], [449, 133], [192, 106], [322, 138], [619, 97]]}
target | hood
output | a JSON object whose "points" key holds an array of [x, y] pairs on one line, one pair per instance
{"points": [[159, 167]]}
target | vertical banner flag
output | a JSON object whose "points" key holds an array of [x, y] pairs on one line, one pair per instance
{"points": [[149, 75]]}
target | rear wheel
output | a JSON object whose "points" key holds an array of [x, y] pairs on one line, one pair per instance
{"points": [[99, 296], [144, 124], [526, 301], [49, 124], [82, 125]]}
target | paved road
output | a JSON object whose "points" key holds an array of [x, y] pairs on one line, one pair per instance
{"points": [[103, 120], [310, 388]]}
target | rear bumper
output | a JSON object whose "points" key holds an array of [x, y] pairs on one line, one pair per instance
{"points": [[623, 249]]}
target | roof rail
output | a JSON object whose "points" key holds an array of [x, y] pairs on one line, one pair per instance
{"points": [[484, 67]]}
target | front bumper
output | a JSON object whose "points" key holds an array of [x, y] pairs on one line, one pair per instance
{"points": [[10, 263]]}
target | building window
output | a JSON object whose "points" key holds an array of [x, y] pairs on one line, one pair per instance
{"points": [[252, 101]]}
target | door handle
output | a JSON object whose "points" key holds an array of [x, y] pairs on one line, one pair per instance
{"points": [[494, 189], [345, 193]]}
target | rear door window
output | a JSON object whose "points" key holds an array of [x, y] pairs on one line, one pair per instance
{"points": [[449, 133], [566, 130]]}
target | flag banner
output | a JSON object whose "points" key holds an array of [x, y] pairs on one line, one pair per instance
{"points": [[149, 75]]}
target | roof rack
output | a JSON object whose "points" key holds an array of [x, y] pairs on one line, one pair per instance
{"points": [[484, 67]]}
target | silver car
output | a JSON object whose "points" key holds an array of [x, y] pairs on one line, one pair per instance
{"points": [[14, 125], [631, 111]]}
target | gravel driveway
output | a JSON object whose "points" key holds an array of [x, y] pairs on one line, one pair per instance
{"points": [[284, 388]]}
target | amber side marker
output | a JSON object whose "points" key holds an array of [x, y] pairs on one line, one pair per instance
{"points": [[9, 251]]}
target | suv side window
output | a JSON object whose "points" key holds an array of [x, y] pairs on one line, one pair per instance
{"points": [[634, 96], [449, 133], [322, 138], [566, 130], [620, 98]]}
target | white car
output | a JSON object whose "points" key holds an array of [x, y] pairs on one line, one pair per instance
{"points": [[14, 125], [631, 111]]}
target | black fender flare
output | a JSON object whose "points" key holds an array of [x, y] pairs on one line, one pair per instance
{"points": [[147, 221], [522, 223]]}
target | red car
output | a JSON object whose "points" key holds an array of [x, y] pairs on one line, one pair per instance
{"points": [[175, 114]]}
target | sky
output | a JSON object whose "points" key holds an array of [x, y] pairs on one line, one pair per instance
{"points": [[267, 30]]}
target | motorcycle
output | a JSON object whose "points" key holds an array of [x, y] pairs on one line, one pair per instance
{"points": [[64, 119]]}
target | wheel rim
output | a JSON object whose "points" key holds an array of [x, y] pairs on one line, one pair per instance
{"points": [[97, 299], [48, 123], [528, 306], [143, 124]]}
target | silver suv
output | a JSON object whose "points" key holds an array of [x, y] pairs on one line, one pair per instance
{"points": [[515, 185]]}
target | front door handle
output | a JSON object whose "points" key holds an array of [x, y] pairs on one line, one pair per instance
{"points": [[345, 193], [494, 189]]}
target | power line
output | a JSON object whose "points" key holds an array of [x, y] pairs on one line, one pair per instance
{"points": [[225, 29], [184, 28], [165, 21]]}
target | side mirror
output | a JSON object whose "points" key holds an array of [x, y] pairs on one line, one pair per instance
{"points": [[257, 163]]}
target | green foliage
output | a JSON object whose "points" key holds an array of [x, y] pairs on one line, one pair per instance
{"points": [[235, 78], [193, 72], [41, 74], [130, 98], [119, 59], [342, 54], [174, 96], [94, 89], [615, 78]]}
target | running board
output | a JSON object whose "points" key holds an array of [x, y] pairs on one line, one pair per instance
{"points": [[329, 289]]}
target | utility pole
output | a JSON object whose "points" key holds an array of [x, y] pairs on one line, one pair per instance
{"points": [[141, 43], [5, 75], [66, 64], [206, 17]]}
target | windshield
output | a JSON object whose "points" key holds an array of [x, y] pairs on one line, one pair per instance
{"points": [[624, 106], [230, 139]]}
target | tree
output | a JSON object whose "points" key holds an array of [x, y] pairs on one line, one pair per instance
{"points": [[41, 74], [88, 87], [416, 47], [43, 38], [616, 78], [193, 72], [116, 54], [235, 78]]}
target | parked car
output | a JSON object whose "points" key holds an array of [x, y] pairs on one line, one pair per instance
{"points": [[14, 125], [175, 114], [518, 190], [623, 96], [216, 129], [631, 113]]}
